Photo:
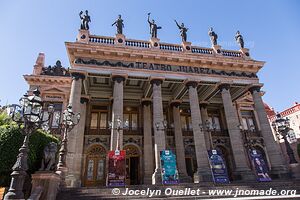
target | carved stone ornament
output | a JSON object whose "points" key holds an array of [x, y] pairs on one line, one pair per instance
{"points": [[56, 70], [49, 157]]}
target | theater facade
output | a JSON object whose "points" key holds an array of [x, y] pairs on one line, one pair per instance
{"points": [[178, 97]]}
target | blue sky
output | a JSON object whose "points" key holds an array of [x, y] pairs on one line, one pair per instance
{"points": [[271, 30]]}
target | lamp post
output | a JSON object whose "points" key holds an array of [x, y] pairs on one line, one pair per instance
{"points": [[161, 126], [282, 128], [118, 125], [248, 143], [68, 122], [30, 116], [208, 127]]}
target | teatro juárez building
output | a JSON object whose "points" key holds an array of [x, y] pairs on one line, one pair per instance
{"points": [[178, 97]]}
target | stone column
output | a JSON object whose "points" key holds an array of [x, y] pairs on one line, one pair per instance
{"points": [[203, 168], [75, 136], [180, 154], [204, 116], [148, 148], [242, 170], [117, 112], [278, 167], [159, 134]]}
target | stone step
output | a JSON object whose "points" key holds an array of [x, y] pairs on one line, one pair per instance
{"points": [[103, 193]]}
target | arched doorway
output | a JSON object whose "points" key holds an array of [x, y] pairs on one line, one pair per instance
{"points": [[227, 159], [190, 160], [132, 164], [261, 151], [95, 166]]}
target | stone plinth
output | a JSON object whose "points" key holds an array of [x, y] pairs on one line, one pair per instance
{"points": [[83, 36], [48, 181], [187, 46], [217, 49], [245, 52], [120, 40], [154, 43]]}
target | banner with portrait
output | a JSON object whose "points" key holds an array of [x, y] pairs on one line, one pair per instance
{"points": [[116, 168], [259, 165], [217, 166], [169, 168]]}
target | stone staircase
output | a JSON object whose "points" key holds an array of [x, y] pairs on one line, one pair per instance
{"points": [[104, 193]]}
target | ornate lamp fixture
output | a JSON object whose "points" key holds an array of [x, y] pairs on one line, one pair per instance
{"points": [[68, 122], [209, 128], [118, 125], [30, 116], [282, 128], [161, 126]]}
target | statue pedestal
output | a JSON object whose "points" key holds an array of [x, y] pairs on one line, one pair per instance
{"points": [[154, 43], [245, 52], [48, 182], [120, 40], [187, 46], [217, 49], [83, 36]]}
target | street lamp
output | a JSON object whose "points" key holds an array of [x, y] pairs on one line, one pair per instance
{"points": [[208, 127], [282, 128], [248, 143], [68, 122], [118, 125], [30, 116], [161, 126]]}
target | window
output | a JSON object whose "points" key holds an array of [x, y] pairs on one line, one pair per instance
{"points": [[53, 123], [189, 121], [183, 123], [214, 122], [134, 121], [132, 117], [94, 121], [248, 120], [103, 120]]}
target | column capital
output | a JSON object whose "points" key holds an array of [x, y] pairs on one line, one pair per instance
{"points": [[146, 102], [255, 88], [225, 86], [84, 100], [118, 78], [175, 103], [156, 81], [194, 84], [77, 75], [203, 104]]}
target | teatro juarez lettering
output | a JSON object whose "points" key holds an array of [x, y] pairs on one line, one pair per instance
{"points": [[163, 67]]}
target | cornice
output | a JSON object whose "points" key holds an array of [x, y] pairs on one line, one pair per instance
{"points": [[31, 79]]}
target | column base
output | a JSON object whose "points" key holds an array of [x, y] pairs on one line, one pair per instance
{"points": [[202, 176], [156, 177], [280, 172], [72, 181], [184, 178], [244, 174], [295, 171], [147, 178]]}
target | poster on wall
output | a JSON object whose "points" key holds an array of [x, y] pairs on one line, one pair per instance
{"points": [[168, 166], [260, 166], [116, 168], [217, 166]]}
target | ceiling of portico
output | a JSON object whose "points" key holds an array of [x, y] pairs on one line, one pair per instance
{"points": [[136, 88]]}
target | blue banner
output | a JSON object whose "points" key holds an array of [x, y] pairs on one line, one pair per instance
{"points": [[217, 166], [260, 166], [169, 169]]}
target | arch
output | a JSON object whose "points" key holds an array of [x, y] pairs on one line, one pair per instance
{"points": [[260, 149], [95, 165], [190, 159], [227, 159], [133, 163]]}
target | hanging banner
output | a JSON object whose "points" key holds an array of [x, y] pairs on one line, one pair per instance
{"points": [[116, 168], [260, 166], [169, 169], [217, 166]]}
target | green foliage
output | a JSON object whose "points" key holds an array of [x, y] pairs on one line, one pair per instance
{"points": [[4, 119], [11, 140]]}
